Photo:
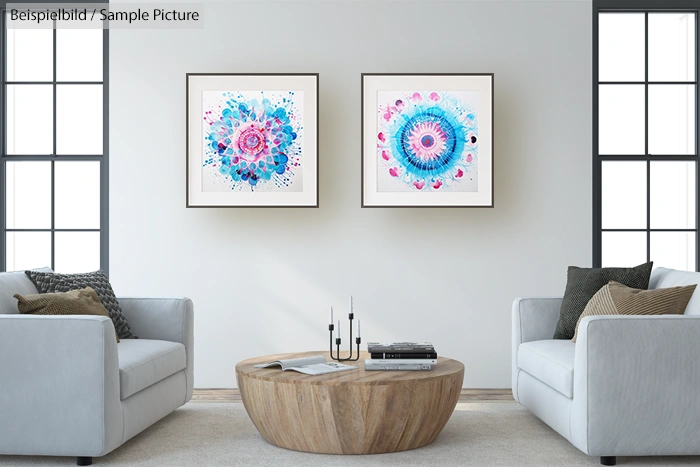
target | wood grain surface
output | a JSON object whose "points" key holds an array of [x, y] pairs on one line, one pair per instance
{"points": [[466, 396], [352, 412]]}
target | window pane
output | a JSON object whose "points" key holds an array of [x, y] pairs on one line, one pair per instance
{"points": [[671, 47], [624, 249], [673, 195], [621, 47], [77, 195], [30, 119], [79, 54], [28, 195], [79, 119], [29, 54], [675, 250], [671, 119], [624, 195], [621, 119], [77, 252], [28, 250]]}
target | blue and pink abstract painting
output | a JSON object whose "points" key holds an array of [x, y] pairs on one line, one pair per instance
{"points": [[252, 141], [427, 141]]}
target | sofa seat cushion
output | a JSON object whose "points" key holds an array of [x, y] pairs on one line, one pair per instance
{"points": [[550, 361], [144, 362]]}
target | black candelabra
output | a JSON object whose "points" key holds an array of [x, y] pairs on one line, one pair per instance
{"points": [[331, 328]]}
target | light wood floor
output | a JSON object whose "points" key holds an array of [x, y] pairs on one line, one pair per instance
{"points": [[467, 395]]}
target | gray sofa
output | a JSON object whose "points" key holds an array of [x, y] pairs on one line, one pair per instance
{"points": [[627, 387], [68, 389]]}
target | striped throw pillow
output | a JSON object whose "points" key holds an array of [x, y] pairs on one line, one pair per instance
{"points": [[618, 299]]}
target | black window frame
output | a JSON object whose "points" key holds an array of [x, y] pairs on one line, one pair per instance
{"points": [[103, 158], [643, 6]]}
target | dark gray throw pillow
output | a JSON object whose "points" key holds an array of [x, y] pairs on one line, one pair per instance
{"points": [[47, 282], [583, 283]]}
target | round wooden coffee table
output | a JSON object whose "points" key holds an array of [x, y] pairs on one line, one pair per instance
{"points": [[352, 412]]}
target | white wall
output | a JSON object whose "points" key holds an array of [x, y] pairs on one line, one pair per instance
{"points": [[262, 279]]}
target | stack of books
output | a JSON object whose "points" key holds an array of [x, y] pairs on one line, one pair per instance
{"points": [[412, 356]]}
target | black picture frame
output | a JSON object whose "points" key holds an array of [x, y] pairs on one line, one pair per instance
{"points": [[315, 140], [365, 144]]}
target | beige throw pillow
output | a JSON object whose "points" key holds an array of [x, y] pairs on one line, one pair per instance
{"points": [[76, 302], [618, 299]]}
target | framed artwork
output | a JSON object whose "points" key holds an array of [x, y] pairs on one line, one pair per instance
{"points": [[427, 140], [252, 140]]}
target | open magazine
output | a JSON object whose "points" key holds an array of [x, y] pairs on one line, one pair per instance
{"points": [[309, 365]]}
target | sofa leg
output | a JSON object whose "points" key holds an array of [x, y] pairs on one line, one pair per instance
{"points": [[608, 460], [88, 461]]}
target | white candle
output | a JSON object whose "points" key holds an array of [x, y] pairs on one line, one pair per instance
{"points": [[331, 319], [350, 303], [358, 328], [337, 331]]}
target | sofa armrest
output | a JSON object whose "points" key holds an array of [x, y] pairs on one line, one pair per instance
{"points": [[59, 386], [636, 383], [167, 319], [533, 319]]}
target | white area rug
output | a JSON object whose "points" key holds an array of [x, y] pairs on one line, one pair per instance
{"points": [[221, 434]]}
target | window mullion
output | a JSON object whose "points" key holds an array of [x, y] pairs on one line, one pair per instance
{"points": [[597, 246], [697, 143], [53, 214], [3, 147], [646, 129], [54, 106], [82, 83], [104, 161], [53, 164]]}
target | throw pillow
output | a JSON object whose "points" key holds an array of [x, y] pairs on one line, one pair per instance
{"points": [[583, 283], [76, 302], [52, 282], [617, 299]]}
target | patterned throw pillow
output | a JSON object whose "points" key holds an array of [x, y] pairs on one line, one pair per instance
{"points": [[583, 283], [76, 302], [617, 299], [52, 282]]}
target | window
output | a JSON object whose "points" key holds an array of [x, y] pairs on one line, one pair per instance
{"points": [[645, 133], [53, 143]]}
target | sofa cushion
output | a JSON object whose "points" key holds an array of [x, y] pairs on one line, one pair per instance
{"points": [[76, 302], [12, 283], [52, 282], [583, 283], [662, 278], [144, 362], [550, 361], [617, 299]]}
